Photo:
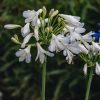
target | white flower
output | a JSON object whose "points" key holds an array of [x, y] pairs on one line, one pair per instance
{"points": [[78, 29], [88, 37], [95, 46], [71, 20], [42, 53], [85, 69], [36, 34], [69, 55], [56, 43], [32, 16], [83, 48], [74, 36], [70, 50], [11, 26], [74, 47], [25, 30], [24, 54], [26, 40], [97, 69]]}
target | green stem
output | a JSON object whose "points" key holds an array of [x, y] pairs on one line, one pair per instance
{"points": [[87, 96], [43, 81]]}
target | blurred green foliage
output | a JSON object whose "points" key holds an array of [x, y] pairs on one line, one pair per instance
{"points": [[23, 81]]}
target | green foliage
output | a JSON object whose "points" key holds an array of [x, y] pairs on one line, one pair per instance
{"points": [[24, 80]]}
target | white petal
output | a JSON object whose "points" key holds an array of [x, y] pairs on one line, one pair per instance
{"points": [[36, 35], [19, 53], [52, 46], [88, 37], [26, 40], [42, 58], [71, 19], [65, 52], [83, 49], [11, 26], [28, 58], [85, 69], [80, 30], [96, 46], [22, 57], [39, 11], [97, 69], [28, 13], [25, 30]]}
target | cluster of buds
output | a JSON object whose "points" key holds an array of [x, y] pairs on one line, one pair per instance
{"points": [[56, 33]]}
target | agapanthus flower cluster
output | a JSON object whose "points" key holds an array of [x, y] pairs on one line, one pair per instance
{"points": [[51, 32]]}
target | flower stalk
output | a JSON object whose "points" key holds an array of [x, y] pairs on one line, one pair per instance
{"points": [[89, 81], [43, 80]]}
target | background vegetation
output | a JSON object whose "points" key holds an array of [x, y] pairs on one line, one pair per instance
{"points": [[21, 81]]}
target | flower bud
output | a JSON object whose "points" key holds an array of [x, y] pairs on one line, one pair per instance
{"points": [[15, 40], [44, 11], [11, 26]]}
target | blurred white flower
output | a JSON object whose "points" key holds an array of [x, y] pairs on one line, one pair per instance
{"points": [[11, 26], [85, 69], [26, 40], [95, 46], [74, 36], [69, 55], [70, 50], [56, 43], [78, 29], [24, 54], [71, 20], [41, 54], [32, 16], [25, 30], [97, 69], [83, 49], [88, 37]]}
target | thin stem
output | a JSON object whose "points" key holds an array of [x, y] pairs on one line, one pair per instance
{"points": [[43, 81], [87, 96]]}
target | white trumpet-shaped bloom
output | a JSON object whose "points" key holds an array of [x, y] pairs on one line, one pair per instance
{"points": [[11, 26], [25, 30], [70, 50], [71, 20], [95, 46], [74, 36], [88, 37], [85, 69], [79, 29], [69, 55], [41, 54], [24, 54], [26, 40], [83, 49], [97, 69], [32, 16], [56, 43]]}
